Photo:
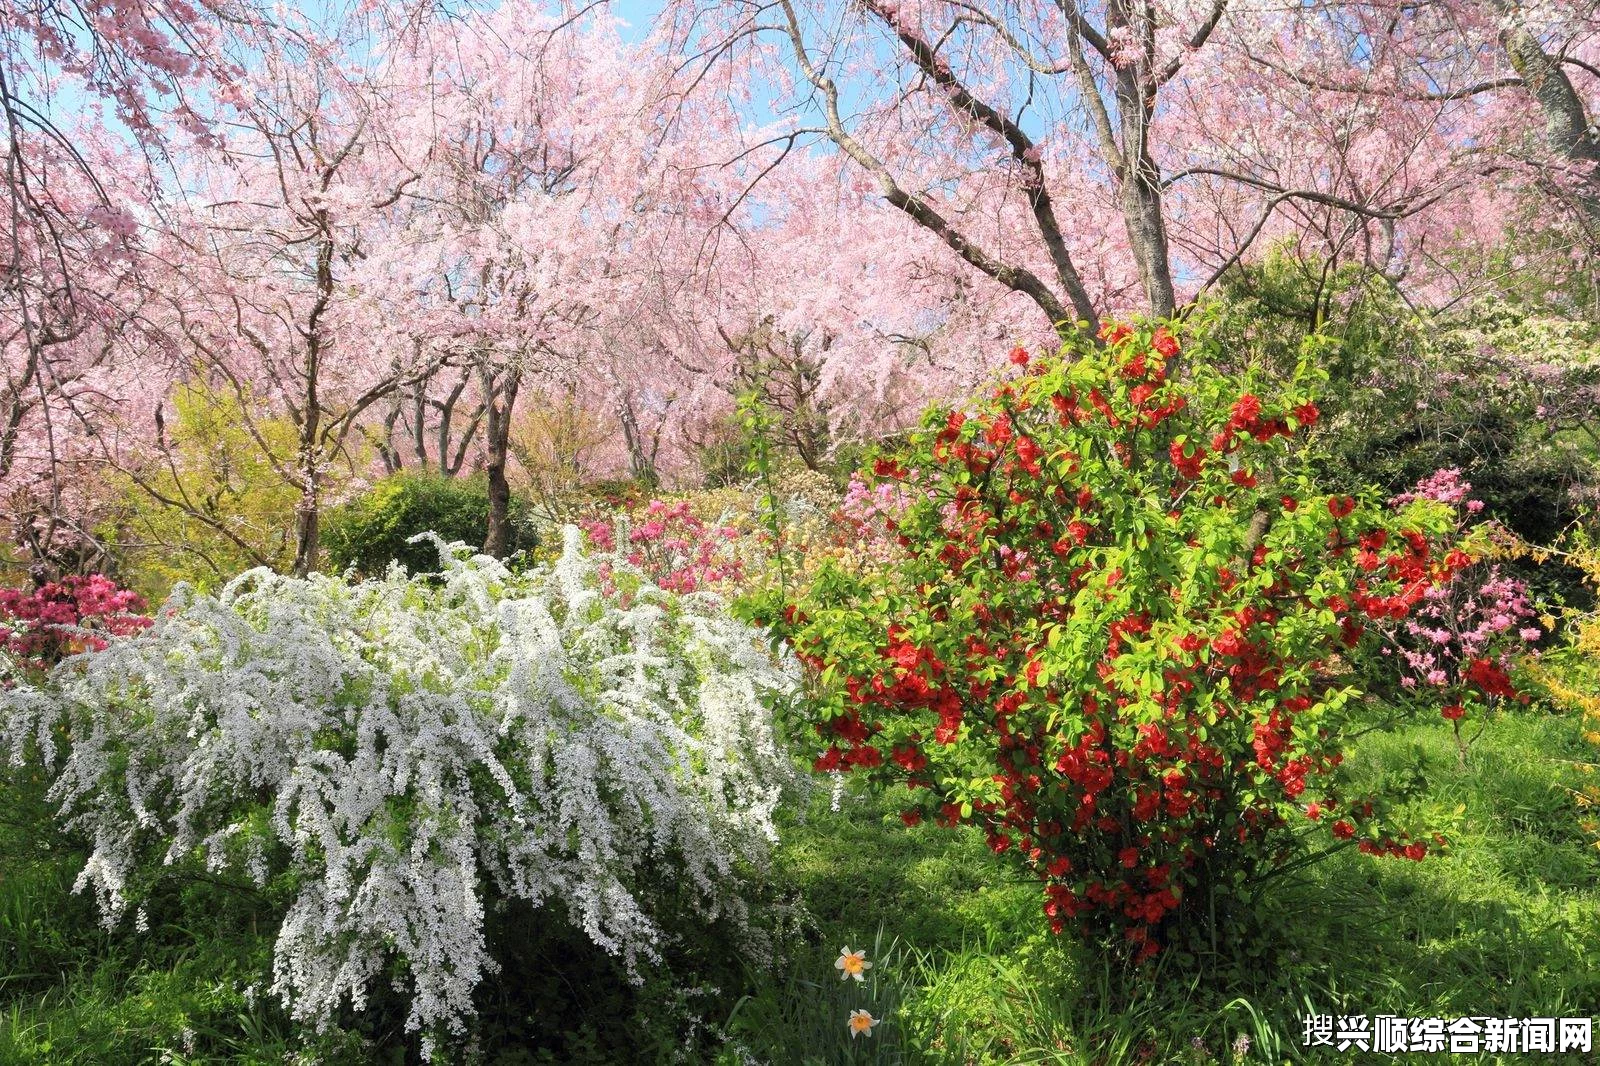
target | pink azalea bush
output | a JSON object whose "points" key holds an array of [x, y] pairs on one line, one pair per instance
{"points": [[1465, 635], [673, 547], [1443, 486], [869, 516], [874, 504], [41, 626]]}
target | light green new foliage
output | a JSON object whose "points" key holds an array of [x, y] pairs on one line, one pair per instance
{"points": [[408, 749], [215, 503]]}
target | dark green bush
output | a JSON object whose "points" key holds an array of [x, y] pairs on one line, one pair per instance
{"points": [[1412, 392], [371, 531]]}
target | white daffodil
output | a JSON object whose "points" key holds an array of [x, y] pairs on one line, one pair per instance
{"points": [[861, 1023], [852, 964]]}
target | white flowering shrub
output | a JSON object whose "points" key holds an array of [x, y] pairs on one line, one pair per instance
{"points": [[400, 751]]}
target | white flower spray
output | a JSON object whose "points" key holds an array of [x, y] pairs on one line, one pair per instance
{"points": [[406, 741]]}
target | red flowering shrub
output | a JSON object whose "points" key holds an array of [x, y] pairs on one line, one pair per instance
{"points": [[1108, 640], [59, 618]]}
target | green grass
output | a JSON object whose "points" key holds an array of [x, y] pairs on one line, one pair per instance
{"points": [[1504, 924], [73, 993]]}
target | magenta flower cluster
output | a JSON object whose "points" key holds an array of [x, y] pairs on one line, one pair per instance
{"points": [[1473, 626], [869, 515], [874, 505], [56, 619], [1480, 614], [1445, 486], [674, 548]]}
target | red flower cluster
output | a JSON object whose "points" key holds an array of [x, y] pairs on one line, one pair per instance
{"points": [[1187, 462], [1246, 421], [1490, 678]]}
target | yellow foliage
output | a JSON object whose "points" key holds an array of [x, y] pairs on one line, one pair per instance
{"points": [[553, 440], [812, 534], [213, 503]]}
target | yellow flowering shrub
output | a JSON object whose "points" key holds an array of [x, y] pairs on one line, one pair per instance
{"points": [[1569, 676]]}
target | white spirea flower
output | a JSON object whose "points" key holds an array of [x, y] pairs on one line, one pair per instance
{"points": [[405, 741]]}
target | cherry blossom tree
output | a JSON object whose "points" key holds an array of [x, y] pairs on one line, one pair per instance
{"points": [[86, 91], [259, 259], [1124, 154], [66, 294], [578, 228], [504, 119], [391, 225], [1507, 89]]}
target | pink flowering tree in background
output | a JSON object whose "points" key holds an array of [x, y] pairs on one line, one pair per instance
{"points": [[66, 304], [76, 184], [842, 314], [745, 265], [576, 229], [100, 213], [674, 548], [256, 267], [150, 59], [1125, 154], [1510, 86], [487, 257], [390, 225], [89, 94]]}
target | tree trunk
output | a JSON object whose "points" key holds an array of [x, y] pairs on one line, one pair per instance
{"points": [[642, 462], [1138, 177], [1147, 235], [307, 528], [498, 541], [1566, 122], [307, 513], [497, 432], [307, 533]]}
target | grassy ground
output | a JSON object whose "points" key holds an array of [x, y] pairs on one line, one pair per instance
{"points": [[1503, 925]]}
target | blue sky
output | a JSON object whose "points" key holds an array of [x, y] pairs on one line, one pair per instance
{"points": [[637, 13]]}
